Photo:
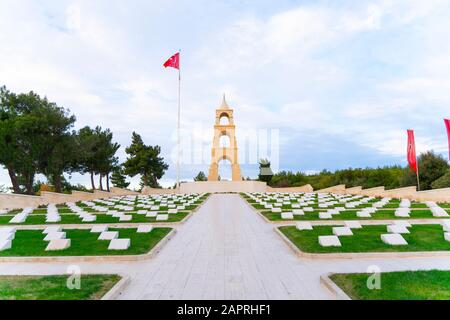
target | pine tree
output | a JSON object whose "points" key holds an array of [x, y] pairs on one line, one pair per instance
{"points": [[201, 177], [118, 179], [145, 161]]}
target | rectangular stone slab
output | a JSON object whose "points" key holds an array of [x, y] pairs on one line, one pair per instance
{"points": [[403, 223], [55, 236], [119, 244], [162, 217], [108, 235], [287, 215], [5, 244], [52, 229], [144, 229], [446, 225], [58, 245], [397, 229], [99, 229], [393, 239], [151, 214], [19, 218], [276, 210], [50, 219], [439, 212], [342, 231], [89, 219], [363, 214], [402, 212], [329, 241], [298, 212], [447, 236], [325, 215], [126, 218], [7, 236], [8, 230], [353, 224], [303, 225]]}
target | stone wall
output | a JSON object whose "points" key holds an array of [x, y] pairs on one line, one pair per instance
{"points": [[436, 195], [149, 191], [121, 191], [305, 188], [340, 189], [223, 186], [18, 201]]}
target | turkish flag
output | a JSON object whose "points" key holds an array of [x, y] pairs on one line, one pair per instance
{"points": [[412, 160], [173, 62], [447, 124]]}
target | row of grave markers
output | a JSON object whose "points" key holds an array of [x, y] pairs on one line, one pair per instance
{"points": [[124, 203], [303, 201], [57, 241], [393, 237]]}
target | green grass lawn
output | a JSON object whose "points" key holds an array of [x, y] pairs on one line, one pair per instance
{"points": [[368, 239], [409, 285], [93, 287], [30, 243]]}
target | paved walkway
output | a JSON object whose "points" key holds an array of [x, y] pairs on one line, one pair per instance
{"points": [[226, 251]]}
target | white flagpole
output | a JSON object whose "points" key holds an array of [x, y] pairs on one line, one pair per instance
{"points": [[179, 121]]}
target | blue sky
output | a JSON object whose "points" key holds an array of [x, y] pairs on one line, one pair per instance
{"points": [[340, 80]]}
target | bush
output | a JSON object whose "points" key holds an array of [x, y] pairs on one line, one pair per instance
{"points": [[442, 182]]}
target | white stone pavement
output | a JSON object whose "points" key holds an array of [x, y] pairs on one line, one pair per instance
{"points": [[226, 251]]}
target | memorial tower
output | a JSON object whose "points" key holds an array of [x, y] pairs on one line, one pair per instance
{"points": [[220, 152]]}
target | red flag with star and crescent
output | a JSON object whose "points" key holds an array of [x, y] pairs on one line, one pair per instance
{"points": [[412, 159], [173, 62]]}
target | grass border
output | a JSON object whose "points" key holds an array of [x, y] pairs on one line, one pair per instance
{"points": [[113, 258], [361, 255], [332, 287], [117, 289]]}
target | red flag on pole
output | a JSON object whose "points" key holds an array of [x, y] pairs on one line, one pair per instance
{"points": [[412, 160], [447, 124], [173, 62]]}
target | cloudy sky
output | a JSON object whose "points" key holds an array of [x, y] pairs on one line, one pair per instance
{"points": [[339, 81]]}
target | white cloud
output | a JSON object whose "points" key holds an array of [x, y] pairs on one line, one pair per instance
{"points": [[73, 14]]}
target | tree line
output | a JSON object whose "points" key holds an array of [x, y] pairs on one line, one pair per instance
{"points": [[434, 173], [38, 137]]}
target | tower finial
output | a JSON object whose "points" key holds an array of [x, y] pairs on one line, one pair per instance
{"points": [[224, 103]]}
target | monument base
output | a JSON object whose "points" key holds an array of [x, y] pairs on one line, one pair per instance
{"points": [[223, 186]]}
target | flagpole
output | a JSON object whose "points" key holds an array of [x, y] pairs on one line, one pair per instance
{"points": [[179, 123], [417, 175]]}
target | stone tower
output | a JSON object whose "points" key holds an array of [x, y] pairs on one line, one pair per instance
{"points": [[230, 152]]}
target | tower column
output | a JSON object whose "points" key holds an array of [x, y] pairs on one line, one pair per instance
{"points": [[219, 153]]}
